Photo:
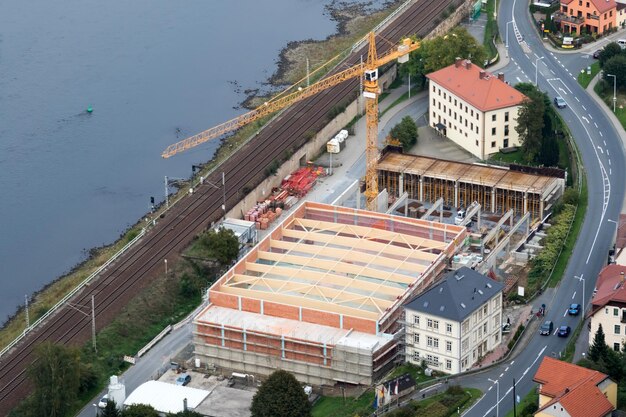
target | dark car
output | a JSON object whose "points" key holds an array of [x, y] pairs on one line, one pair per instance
{"points": [[574, 309], [563, 331], [596, 54], [183, 379], [546, 328], [559, 102]]}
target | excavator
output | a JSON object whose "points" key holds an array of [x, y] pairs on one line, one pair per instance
{"points": [[368, 70]]}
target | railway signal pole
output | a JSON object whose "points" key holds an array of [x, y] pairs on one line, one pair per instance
{"points": [[79, 308]]}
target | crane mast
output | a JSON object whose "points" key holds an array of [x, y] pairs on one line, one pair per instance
{"points": [[371, 90]]}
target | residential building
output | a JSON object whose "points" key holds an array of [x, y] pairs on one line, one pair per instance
{"points": [[620, 20], [608, 306], [590, 16], [455, 322], [570, 390], [474, 108]]}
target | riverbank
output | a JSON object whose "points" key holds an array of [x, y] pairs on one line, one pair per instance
{"points": [[351, 27]]}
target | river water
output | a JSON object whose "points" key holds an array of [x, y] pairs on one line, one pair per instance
{"points": [[154, 72]]}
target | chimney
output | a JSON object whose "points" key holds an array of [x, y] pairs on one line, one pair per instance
{"points": [[468, 64], [501, 76], [458, 62], [482, 75]]}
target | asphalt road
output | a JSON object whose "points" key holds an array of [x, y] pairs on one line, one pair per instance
{"points": [[602, 153]]}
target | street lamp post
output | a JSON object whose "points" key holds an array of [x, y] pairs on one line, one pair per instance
{"points": [[497, 395], [165, 261], [614, 89], [580, 278], [537, 70]]}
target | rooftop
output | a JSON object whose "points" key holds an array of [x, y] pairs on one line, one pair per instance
{"points": [[610, 287], [574, 387], [166, 398], [487, 175], [601, 5], [457, 295], [483, 90], [340, 260]]}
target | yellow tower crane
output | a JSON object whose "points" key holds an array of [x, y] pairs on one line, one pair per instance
{"points": [[368, 70]]}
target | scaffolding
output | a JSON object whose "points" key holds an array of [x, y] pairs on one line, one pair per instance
{"points": [[496, 189]]}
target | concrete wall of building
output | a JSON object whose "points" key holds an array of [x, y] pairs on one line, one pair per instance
{"points": [[555, 410]]}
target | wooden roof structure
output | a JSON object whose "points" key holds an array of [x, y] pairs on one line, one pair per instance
{"points": [[341, 260]]}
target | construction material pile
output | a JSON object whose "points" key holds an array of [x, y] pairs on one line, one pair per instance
{"points": [[300, 182]]}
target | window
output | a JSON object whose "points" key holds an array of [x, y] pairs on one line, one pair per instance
{"points": [[472, 126], [493, 144], [493, 131], [439, 91], [616, 312], [448, 364], [429, 341], [433, 88], [472, 112], [493, 117], [606, 310], [436, 343], [429, 323], [616, 347], [466, 108], [506, 116], [476, 142], [454, 115], [465, 122], [434, 101], [416, 320], [436, 324], [465, 345], [444, 108], [448, 346], [455, 102], [465, 326], [476, 128], [439, 105], [485, 327], [432, 360], [416, 339], [485, 310], [416, 356], [616, 329], [505, 143], [506, 130], [464, 362], [444, 96], [448, 328], [495, 337]]}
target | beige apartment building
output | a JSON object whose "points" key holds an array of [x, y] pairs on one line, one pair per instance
{"points": [[608, 306], [455, 322], [474, 108]]}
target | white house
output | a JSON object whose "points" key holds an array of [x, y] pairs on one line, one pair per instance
{"points": [[474, 108], [608, 306], [455, 322]]}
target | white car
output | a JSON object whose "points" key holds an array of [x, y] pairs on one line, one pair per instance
{"points": [[103, 401]]}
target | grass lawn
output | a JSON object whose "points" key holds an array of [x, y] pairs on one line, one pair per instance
{"points": [[335, 406], [408, 368], [509, 158], [607, 96], [491, 31], [584, 79], [531, 398]]}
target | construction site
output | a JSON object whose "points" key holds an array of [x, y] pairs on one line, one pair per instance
{"points": [[321, 295]]}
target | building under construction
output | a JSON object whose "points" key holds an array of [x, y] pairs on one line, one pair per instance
{"points": [[496, 189], [321, 295]]}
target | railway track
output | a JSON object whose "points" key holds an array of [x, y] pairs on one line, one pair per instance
{"points": [[141, 264]]}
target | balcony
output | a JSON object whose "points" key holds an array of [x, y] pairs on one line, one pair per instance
{"points": [[560, 17]]}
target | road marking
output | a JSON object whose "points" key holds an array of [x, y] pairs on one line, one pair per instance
{"points": [[565, 314], [519, 80], [584, 108], [577, 99], [490, 388], [502, 374], [609, 162], [526, 371], [563, 91], [512, 362], [600, 132], [599, 147], [596, 125], [574, 295], [607, 153], [555, 331], [610, 171], [506, 369], [590, 116], [604, 142], [585, 119], [553, 73]]}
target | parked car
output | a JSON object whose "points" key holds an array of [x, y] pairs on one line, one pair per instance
{"points": [[559, 102], [564, 331], [546, 328], [183, 379], [596, 53], [574, 309], [103, 401]]}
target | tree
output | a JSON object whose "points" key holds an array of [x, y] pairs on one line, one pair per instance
{"points": [[616, 66], [139, 410], [222, 245], [55, 373], [405, 132], [530, 124], [111, 410], [280, 396], [549, 149], [598, 348], [609, 51], [186, 414]]}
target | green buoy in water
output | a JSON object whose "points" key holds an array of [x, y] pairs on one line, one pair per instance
{"points": [[89, 109]]}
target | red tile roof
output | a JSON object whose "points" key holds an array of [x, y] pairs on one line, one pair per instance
{"points": [[609, 286], [601, 5], [573, 387], [479, 88]]}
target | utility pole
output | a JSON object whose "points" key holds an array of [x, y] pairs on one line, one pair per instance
{"points": [[308, 79], [224, 190], [167, 198], [514, 404], [27, 316], [93, 322]]}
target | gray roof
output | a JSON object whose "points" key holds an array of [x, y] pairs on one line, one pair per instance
{"points": [[457, 295]]}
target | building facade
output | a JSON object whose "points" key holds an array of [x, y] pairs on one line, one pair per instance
{"points": [[591, 16], [454, 323], [608, 306], [474, 108]]}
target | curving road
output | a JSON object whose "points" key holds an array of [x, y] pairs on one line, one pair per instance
{"points": [[602, 153]]}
